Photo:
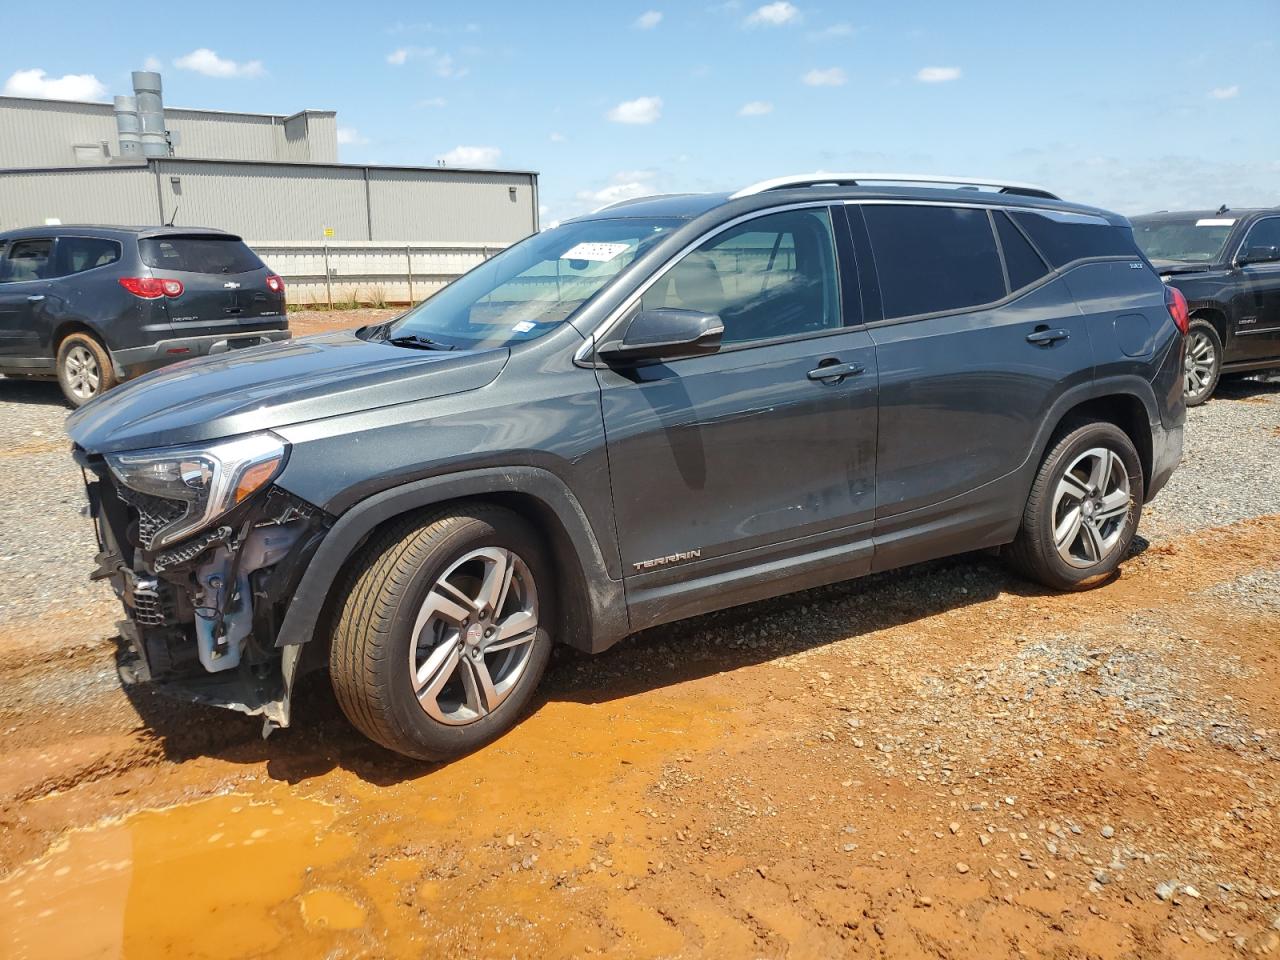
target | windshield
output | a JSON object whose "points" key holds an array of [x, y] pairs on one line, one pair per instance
{"points": [[1194, 240], [531, 288]]}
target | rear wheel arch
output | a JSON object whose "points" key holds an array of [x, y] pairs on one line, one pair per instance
{"points": [[67, 328], [1125, 410], [1214, 316]]}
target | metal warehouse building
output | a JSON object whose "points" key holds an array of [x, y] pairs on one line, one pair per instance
{"points": [[336, 231]]}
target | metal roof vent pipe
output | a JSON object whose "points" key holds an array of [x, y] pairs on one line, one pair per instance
{"points": [[128, 128], [147, 91]]}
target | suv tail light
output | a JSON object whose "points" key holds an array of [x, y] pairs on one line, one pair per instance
{"points": [[1177, 304], [274, 283], [152, 288]]}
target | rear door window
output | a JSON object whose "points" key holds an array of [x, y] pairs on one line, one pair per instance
{"points": [[1065, 237], [1020, 259], [77, 254], [933, 259], [220, 255], [1263, 241], [26, 260]]}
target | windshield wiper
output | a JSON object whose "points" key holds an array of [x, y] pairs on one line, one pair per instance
{"points": [[420, 343]]}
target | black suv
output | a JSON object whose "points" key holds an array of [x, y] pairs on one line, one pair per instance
{"points": [[95, 305], [1227, 265], [670, 406]]}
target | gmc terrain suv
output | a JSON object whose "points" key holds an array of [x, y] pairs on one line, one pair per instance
{"points": [[95, 305], [1227, 265], [670, 406]]}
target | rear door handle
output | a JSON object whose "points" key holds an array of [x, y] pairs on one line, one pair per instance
{"points": [[1046, 337], [35, 298], [835, 371]]}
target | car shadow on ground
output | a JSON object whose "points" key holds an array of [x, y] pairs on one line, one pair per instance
{"points": [[321, 740], [45, 393], [1247, 389]]}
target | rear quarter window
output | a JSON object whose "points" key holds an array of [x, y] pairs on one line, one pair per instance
{"points": [[1065, 237], [77, 254], [198, 255]]}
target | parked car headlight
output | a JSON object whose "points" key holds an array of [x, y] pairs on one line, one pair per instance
{"points": [[209, 480]]}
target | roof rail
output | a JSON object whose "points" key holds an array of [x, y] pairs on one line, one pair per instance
{"points": [[857, 179]]}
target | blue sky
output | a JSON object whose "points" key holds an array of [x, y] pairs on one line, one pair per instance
{"points": [[1133, 106]]}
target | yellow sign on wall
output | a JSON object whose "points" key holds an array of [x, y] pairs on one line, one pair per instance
{"points": [[328, 233]]}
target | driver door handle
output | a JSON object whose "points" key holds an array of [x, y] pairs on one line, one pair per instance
{"points": [[834, 372], [1047, 337], [35, 298]]}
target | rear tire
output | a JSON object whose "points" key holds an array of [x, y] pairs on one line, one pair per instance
{"points": [[1083, 510], [1203, 364], [441, 636], [85, 370]]}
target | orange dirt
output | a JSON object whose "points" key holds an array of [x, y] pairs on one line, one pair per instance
{"points": [[943, 762]]}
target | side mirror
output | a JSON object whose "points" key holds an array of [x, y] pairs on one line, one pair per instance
{"points": [[1258, 254], [664, 334]]}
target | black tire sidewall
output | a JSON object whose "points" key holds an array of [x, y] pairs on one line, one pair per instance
{"points": [[433, 738], [1200, 324], [1075, 443]]}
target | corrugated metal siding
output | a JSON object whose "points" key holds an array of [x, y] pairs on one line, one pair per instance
{"points": [[219, 136], [322, 137], [43, 135], [450, 206], [267, 200], [122, 195]]}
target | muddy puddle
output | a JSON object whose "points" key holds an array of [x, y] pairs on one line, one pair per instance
{"points": [[337, 864]]}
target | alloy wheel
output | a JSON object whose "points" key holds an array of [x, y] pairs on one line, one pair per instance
{"points": [[83, 375], [1198, 367], [1091, 507], [474, 636]]}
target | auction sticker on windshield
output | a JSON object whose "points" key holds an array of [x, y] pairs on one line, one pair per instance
{"points": [[599, 252]]}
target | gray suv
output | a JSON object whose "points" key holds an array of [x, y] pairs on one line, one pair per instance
{"points": [[670, 406]]}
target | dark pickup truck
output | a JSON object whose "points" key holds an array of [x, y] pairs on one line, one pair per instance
{"points": [[1227, 265]]}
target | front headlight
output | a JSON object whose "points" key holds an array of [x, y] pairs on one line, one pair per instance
{"points": [[207, 481]]}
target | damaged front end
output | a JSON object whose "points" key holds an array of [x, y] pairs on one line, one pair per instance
{"points": [[205, 552]]}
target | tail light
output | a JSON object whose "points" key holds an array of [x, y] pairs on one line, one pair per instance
{"points": [[152, 288], [274, 283], [1177, 304]]}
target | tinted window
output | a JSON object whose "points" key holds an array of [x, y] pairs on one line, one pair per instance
{"points": [[1192, 239], [198, 255], [77, 254], [1020, 259], [1263, 240], [26, 260], [774, 276], [933, 259], [1064, 237]]}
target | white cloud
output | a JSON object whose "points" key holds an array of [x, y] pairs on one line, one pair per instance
{"points": [[152, 63], [938, 74], [207, 62], [397, 57], [639, 110], [1225, 93], [648, 20], [830, 77], [470, 157], [774, 14], [756, 108], [556, 137], [442, 63], [624, 185], [433, 102], [350, 136], [833, 32], [72, 86]]}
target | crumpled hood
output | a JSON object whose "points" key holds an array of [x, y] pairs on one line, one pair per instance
{"points": [[272, 386]]}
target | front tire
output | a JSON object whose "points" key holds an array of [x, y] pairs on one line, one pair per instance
{"points": [[1203, 364], [84, 367], [441, 636], [1083, 510]]}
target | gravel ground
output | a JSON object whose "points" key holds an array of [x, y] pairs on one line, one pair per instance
{"points": [[46, 544]]}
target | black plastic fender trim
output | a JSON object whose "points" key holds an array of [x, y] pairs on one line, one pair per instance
{"points": [[602, 605]]}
